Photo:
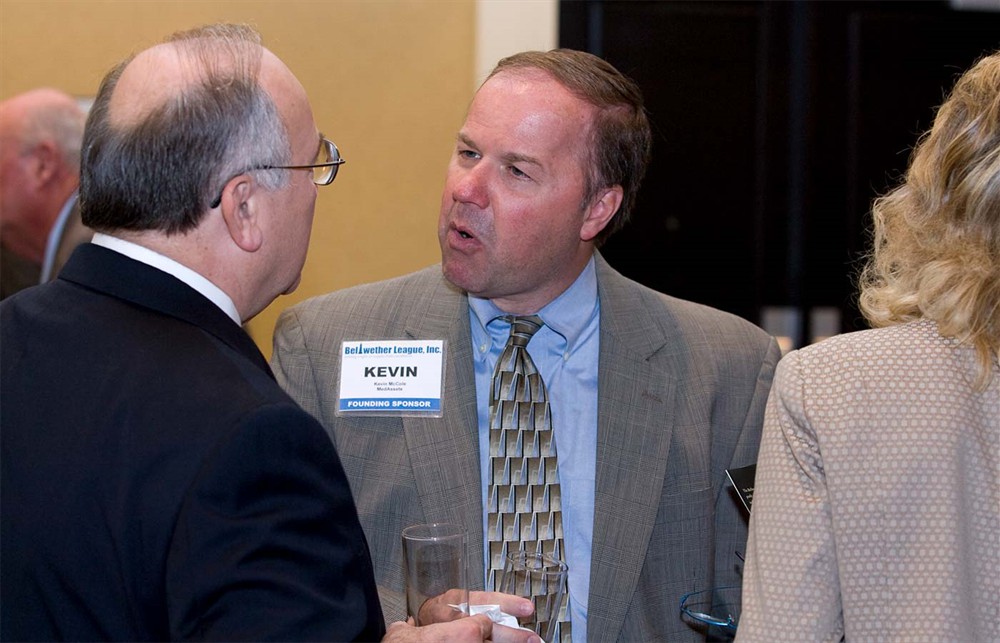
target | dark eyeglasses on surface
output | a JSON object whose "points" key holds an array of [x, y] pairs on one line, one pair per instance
{"points": [[324, 170]]}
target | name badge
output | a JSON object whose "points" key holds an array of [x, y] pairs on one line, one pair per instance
{"points": [[391, 377]]}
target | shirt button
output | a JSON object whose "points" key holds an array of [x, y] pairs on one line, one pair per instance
{"points": [[566, 357], [482, 348]]}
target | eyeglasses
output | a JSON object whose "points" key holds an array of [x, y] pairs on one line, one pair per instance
{"points": [[323, 171], [714, 607]]}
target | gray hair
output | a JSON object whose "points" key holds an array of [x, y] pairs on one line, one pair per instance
{"points": [[60, 122], [162, 172]]}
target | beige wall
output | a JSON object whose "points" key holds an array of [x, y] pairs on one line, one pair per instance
{"points": [[505, 27], [389, 81]]}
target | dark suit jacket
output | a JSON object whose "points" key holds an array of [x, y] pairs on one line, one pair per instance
{"points": [[156, 482], [681, 396], [16, 273]]}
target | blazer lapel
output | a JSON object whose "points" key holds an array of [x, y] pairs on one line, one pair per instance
{"points": [[444, 451], [114, 274], [635, 423]]}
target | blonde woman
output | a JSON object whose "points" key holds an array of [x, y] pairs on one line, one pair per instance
{"points": [[876, 513]]}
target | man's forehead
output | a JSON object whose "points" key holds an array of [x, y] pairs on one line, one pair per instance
{"points": [[13, 111], [535, 90], [530, 111]]}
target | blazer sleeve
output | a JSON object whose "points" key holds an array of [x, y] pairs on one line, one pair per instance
{"points": [[268, 545], [791, 590], [291, 363], [730, 517], [294, 368], [740, 447]]}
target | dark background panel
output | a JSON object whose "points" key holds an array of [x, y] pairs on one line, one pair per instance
{"points": [[775, 124]]}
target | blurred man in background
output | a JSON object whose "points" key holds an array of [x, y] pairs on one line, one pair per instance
{"points": [[40, 135]]}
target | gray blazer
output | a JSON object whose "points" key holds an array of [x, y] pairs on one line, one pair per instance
{"points": [[681, 398]]}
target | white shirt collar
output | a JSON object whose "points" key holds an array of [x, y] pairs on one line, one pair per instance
{"points": [[161, 262]]}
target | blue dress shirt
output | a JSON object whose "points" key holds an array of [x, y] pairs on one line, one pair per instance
{"points": [[565, 351]]}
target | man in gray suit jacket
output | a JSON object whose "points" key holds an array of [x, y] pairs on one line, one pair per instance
{"points": [[652, 397]]}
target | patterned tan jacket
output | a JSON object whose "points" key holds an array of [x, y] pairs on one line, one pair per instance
{"points": [[876, 511]]}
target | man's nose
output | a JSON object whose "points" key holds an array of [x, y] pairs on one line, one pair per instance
{"points": [[471, 185]]}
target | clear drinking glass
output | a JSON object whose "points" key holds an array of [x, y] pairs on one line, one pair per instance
{"points": [[435, 562], [543, 579]]}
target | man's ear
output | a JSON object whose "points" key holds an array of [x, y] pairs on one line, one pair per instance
{"points": [[47, 162], [239, 211], [600, 211]]}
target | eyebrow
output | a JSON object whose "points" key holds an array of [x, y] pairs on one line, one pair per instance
{"points": [[508, 158]]}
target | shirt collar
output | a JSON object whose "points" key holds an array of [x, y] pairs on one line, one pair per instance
{"points": [[567, 315], [161, 262]]}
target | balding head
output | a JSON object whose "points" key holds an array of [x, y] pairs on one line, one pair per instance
{"points": [[40, 136], [44, 114], [171, 125], [186, 153], [150, 81]]}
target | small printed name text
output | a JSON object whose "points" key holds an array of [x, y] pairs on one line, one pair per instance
{"points": [[388, 404], [361, 349]]}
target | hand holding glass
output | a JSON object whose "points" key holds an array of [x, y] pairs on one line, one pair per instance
{"points": [[543, 579]]}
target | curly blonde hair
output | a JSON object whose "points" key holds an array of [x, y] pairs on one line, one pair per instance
{"points": [[936, 247]]}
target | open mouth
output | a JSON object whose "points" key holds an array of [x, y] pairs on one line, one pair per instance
{"points": [[462, 232]]}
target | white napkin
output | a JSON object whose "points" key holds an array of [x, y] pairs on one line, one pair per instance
{"points": [[493, 612]]}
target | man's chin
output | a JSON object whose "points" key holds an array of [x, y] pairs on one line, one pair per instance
{"points": [[294, 285], [467, 281], [456, 276]]}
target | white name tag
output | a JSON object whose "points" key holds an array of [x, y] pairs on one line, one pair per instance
{"points": [[391, 377]]}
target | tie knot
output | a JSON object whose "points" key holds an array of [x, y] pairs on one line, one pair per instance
{"points": [[523, 328]]}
